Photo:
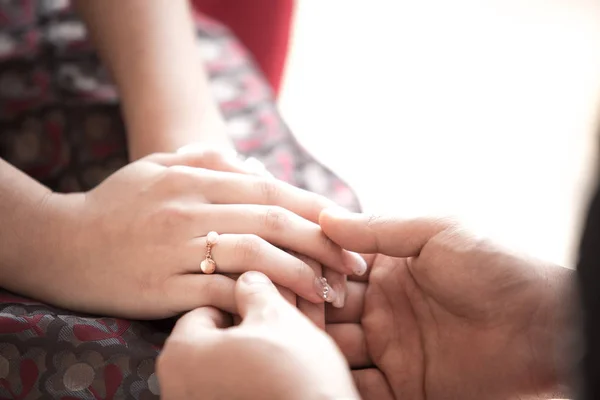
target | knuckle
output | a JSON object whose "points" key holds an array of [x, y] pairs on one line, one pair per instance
{"points": [[275, 218], [447, 223], [312, 263], [174, 214], [300, 270], [447, 229], [269, 312], [175, 172], [248, 248], [215, 288], [375, 220], [178, 180], [269, 190], [328, 245], [174, 176], [211, 156], [458, 239], [374, 223]]}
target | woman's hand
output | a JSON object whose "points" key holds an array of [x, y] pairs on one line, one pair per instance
{"points": [[275, 353], [137, 240]]}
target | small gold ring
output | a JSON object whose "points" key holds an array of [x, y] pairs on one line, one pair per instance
{"points": [[208, 265]]}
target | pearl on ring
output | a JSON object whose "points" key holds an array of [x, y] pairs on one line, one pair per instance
{"points": [[208, 265], [212, 238]]}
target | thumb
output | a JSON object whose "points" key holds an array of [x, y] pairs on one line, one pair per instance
{"points": [[257, 298], [387, 235]]}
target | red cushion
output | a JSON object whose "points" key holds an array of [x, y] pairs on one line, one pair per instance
{"points": [[263, 26]]}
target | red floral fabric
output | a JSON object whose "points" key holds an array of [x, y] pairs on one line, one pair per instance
{"points": [[60, 122]]}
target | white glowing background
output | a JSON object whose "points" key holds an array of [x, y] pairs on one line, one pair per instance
{"points": [[482, 109]]}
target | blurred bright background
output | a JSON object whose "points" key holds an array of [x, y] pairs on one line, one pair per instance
{"points": [[485, 110]]}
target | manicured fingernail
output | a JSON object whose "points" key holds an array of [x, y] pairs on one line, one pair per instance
{"points": [[359, 263], [340, 296], [253, 278], [325, 291]]}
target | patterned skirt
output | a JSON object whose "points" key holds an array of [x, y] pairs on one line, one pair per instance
{"points": [[60, 122]]}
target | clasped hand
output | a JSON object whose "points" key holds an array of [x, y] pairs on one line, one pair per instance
{"points": [[441, 314], [132, 247]]}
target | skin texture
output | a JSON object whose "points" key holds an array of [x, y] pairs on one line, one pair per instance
{"points": [[157, 67], [447, 315], [132, 246], [275, 353]]}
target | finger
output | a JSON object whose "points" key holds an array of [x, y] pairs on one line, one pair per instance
{"points": [[197, 156], [258, 300], [350, 338], [281, 227], [369, 259], [337, 282], [388, 235], [287, 294], [199, 322], [218, 185], [313, 311], [241, 253], [352, 310], [372, 384], [259, 168], [189, 291]]}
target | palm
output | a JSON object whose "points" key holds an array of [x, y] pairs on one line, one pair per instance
{"points": [[432, 322]]}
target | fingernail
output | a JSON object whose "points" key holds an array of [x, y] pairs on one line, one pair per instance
{"points": [[325, 291], [340, 296], [253, 278], [359, 264]]}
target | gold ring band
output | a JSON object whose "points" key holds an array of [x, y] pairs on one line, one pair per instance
{"points": [[208, 265]]}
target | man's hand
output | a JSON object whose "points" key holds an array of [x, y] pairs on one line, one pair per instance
{"points": [[276, 353], [446, 315]]}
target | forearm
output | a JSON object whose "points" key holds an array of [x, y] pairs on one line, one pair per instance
{"points": [[150, 48]]}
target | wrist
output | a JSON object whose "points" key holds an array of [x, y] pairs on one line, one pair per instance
{"points": [[170, 139], [38, 258], [168, 131], [554, 337]]}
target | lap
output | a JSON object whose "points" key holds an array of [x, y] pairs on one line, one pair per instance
{"points": [[51, 353]]}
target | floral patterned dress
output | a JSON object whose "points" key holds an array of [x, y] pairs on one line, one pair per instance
{"points": [[60, 122]]}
